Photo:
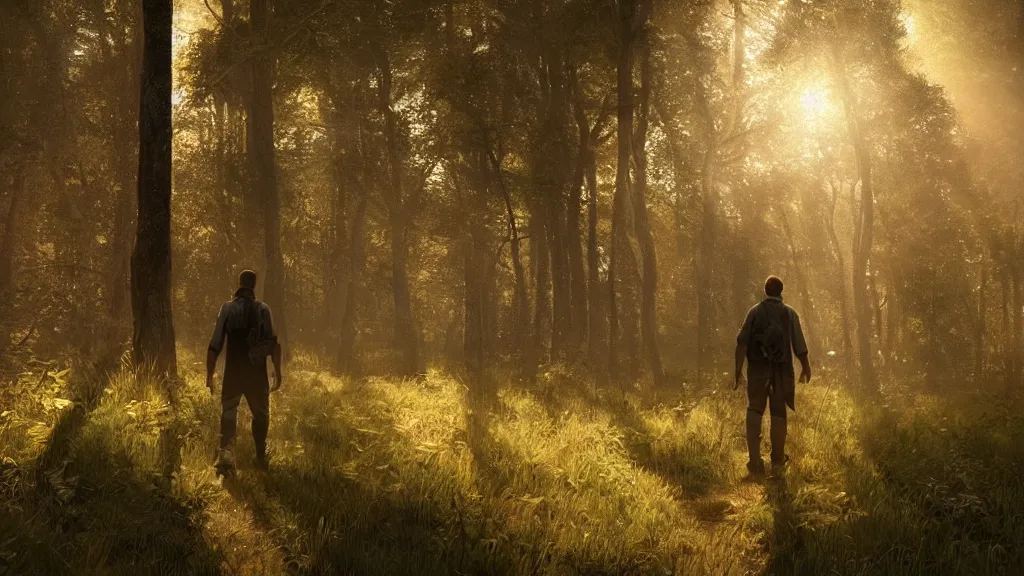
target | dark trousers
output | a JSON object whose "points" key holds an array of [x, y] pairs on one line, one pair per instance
{"points": [[760, 396], [257, 395]]}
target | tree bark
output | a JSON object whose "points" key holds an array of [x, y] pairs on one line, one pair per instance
{"points": [[153, 335], [264, 164]]}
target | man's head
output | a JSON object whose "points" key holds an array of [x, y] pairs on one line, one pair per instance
{"points": [[247, 279], [773, 287]]}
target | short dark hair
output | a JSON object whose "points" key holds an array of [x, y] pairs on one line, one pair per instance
{"points": [[773, 286], [247, 279]]}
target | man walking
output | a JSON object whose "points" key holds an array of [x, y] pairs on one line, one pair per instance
{"points": [[770, 337], [247, 326]]}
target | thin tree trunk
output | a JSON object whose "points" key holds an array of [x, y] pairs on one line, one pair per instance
{"points": [[649, 274], [8, 240], [1018, 326], [574, 237], [841, 284], [153, 336], [1004, 330], [981, 329], [862, 249], [542, 288], [344, 359], [706, 249], [621, 205], [557, 181], [522, 304], [405, 337], [126, 110], [264, 164]]}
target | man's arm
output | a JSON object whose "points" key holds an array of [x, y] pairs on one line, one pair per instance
{"points": [[275, 352], [742, 339], [741, 356], [216, 345], [275, 357], [800, 349]]}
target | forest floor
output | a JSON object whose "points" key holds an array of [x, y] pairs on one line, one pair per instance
{"points": [[420, 477]]}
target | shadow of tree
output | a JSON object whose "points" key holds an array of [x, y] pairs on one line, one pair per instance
{"points": [[88, 509]]}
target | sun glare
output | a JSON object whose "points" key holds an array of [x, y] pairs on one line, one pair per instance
{"points": [[815, 102]]}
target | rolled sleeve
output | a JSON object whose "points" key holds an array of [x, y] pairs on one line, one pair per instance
{"points": [[219, 334], [799, 343]]}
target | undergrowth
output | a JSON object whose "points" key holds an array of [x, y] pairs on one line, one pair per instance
{"points": [[113, 475]]}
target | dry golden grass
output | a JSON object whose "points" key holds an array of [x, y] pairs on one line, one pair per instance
{"points": [[389, 477]]}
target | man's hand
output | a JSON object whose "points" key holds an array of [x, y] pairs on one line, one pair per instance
{"points": [[805, 370], [277, 382], [739, 380], [209, 383]]}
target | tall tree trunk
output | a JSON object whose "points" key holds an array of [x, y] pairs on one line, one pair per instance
{"points": [[1018, 326], [344, 359], [541, 265], [706, 246], [1004, 330], [621, 248], [264, 163], [981, 328], [863, 246], [649, 272], [10, 235], [589, 139], [522, 305], [837, 252], [153, 336], [405, 337], [125, 108], [556, 182], [574, 235]]}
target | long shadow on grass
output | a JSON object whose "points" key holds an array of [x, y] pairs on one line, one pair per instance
{"points": [[361, 521], [924, 499], [689, 467], [94, 512], [375, 519]]}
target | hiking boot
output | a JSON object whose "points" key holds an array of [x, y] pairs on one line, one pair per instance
{"points": [[262, 463], [778, 467], [756, 468], [225, 465]]}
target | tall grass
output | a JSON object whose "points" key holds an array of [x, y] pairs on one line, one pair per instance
{"points": [[423, 477]]}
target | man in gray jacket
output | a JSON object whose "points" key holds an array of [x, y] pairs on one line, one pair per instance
{"points": [[246, 325], [770, 337]]}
